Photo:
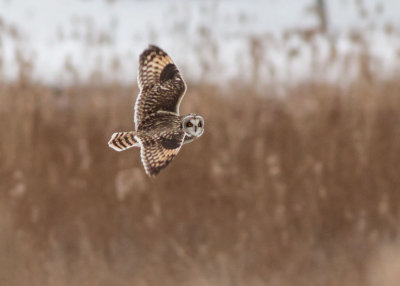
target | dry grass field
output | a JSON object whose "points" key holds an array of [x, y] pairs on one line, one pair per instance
{"points": [[301, 189]]}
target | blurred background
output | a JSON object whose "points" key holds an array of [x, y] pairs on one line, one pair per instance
{"points": [[294, 182]]}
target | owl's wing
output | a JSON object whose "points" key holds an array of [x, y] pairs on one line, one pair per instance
{"points": [[157, 151], [161, 84]]}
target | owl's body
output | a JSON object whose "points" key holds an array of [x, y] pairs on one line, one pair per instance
{"points": [[160, 131]]}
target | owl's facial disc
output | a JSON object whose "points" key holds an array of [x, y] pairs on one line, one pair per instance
{"points": [[193, 125]]}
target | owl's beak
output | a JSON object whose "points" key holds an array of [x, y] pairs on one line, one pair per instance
{"points": [[195, 129]]}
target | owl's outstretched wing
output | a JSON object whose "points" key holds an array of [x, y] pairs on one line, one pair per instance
{"points": [[157, 151], [161, 84]]}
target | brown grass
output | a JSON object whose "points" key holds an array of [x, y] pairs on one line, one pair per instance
{"points": [[294, 190]]}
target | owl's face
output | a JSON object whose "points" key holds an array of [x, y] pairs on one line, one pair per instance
{"points": [[193, 125]]}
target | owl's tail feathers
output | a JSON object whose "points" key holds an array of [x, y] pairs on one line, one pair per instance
{"points": [[121, 141]]}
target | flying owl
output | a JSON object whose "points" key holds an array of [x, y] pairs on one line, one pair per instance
{"points": [[160, 131]]}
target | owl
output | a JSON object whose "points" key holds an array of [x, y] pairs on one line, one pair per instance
{"points": [[159, 131]]}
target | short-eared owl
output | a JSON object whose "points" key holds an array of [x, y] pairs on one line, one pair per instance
{"points": [[160, 131]]}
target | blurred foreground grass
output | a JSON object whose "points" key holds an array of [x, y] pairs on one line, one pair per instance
{"points": [[302, 189]]}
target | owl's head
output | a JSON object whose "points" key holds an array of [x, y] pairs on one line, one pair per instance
{"points": [[193, 125]]}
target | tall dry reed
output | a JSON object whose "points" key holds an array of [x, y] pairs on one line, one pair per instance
{"points": [[301, 189]]}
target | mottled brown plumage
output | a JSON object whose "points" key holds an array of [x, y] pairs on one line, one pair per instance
{"points": [[160, 131], [157, 75]]}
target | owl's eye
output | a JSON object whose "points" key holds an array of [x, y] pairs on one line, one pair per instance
{"points": [[199, 125], [189, 124]]}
